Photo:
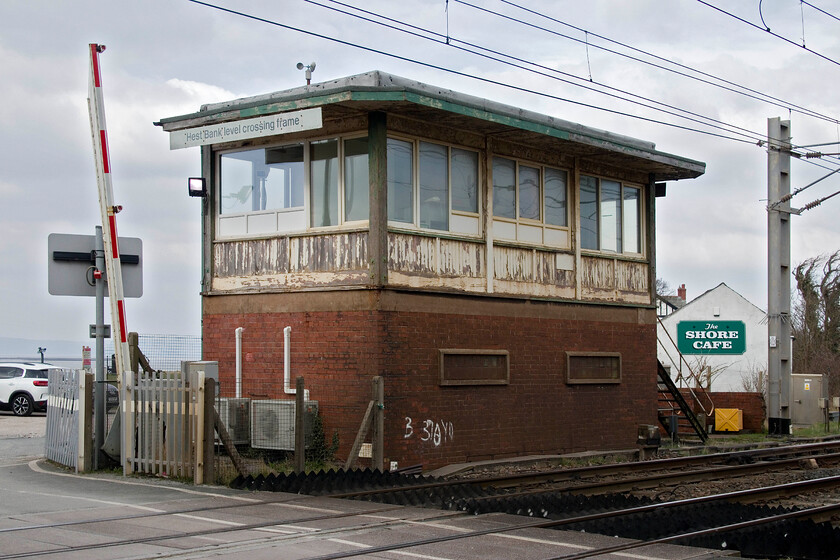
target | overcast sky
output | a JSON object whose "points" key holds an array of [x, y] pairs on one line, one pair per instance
{"points": [[167, 57]]}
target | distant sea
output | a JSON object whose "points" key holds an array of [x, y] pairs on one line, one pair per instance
{"points": [[164, 351]]}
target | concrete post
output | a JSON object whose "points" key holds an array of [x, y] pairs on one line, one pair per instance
{"points": [[778, 277]]}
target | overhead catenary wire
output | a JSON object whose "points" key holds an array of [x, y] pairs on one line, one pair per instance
{"points": [[820, 10], [767, 30], [476, 77], [754, 94], [724, 84], [545, 71], [464, 74], [789, 196], [815, 203], [427, 34], [748, 92]]}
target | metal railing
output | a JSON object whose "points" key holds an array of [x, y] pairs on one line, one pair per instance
{"points": [[69, 404]]}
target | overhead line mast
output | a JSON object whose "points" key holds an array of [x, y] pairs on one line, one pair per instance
{"points": [[108, 210]]}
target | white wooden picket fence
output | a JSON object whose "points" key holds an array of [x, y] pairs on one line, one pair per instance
{"points": [[68, 418], [163, 424]]}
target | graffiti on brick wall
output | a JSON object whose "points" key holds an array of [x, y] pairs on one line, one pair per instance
{"points": [[429, 431]]}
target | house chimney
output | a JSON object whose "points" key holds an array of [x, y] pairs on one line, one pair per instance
{"points": [[681, 292]]}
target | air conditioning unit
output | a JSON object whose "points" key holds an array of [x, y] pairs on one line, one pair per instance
{"points": [[273, 423], [235, 414]]}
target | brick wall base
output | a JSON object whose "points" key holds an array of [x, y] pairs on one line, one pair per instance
{"points": [[398, 336]]}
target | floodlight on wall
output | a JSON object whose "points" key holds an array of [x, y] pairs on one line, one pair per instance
{"points": [[309, 69], [660, 189], [197, 186]]}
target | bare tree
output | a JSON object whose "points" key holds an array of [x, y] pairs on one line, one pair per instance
{"points": [[704, 372], [754, 380], [816, 318], [663, 288]]}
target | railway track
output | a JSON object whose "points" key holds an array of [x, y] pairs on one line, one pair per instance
{"points": [[599, 479], [817, 541], [739, 520], [562, 494]]}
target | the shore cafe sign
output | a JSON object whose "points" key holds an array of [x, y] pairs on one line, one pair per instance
{"points": [[711, 337]]}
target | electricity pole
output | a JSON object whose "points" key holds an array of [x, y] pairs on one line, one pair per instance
{"points": [[778, 277]]}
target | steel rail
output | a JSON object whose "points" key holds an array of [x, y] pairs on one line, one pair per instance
{"points": [[215, 530], [129, 517], [773, 490], [557, 475], [651, 481], [807, 513], [742, 496], [620, 468]]}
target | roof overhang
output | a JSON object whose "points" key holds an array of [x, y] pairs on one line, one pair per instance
{"points": [[378, 91]]}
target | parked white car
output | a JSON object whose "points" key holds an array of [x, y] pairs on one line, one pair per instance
{"points": [[23, 387]]}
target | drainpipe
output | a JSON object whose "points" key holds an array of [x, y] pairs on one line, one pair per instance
{"points": [[287, 362], [239, 362]]}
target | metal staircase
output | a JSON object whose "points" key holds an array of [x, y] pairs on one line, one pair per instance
{"points": [[675, 414], [681, 399]]}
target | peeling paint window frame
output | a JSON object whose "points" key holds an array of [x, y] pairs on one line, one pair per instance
{"points": [[516, 218], [630, 232], [452, 151], [582, 368], [258, 188], [301, 214]]}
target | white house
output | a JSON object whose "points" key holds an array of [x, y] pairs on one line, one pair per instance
{"points": [[720, 334], [665, 305]]}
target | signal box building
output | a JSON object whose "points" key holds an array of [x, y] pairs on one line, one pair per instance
{"points": [[495, 266]]}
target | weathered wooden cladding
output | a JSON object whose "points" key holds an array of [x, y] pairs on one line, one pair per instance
{"points": [[254, 257], [614, 280], [461, 258], [412, 253], [329, 253], [529, 271], [514, 264], [424, 262], [547, 272], [435, 256], [290, 262]]}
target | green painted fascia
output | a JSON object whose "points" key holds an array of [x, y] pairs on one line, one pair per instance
{"points": [[459, 109], [385, 96], [373, 95], [291, 105], [486, 115]]}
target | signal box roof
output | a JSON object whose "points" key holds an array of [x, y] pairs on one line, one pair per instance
{"points": [[377, 91]]}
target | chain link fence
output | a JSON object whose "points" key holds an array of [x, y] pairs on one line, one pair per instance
{"points": [[165, 352]]}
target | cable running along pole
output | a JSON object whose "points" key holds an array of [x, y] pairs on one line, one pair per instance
{"points": [[108, 211]]}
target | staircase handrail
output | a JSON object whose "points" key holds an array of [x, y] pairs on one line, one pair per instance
{"points": [[692, 376], [699, 429]]}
